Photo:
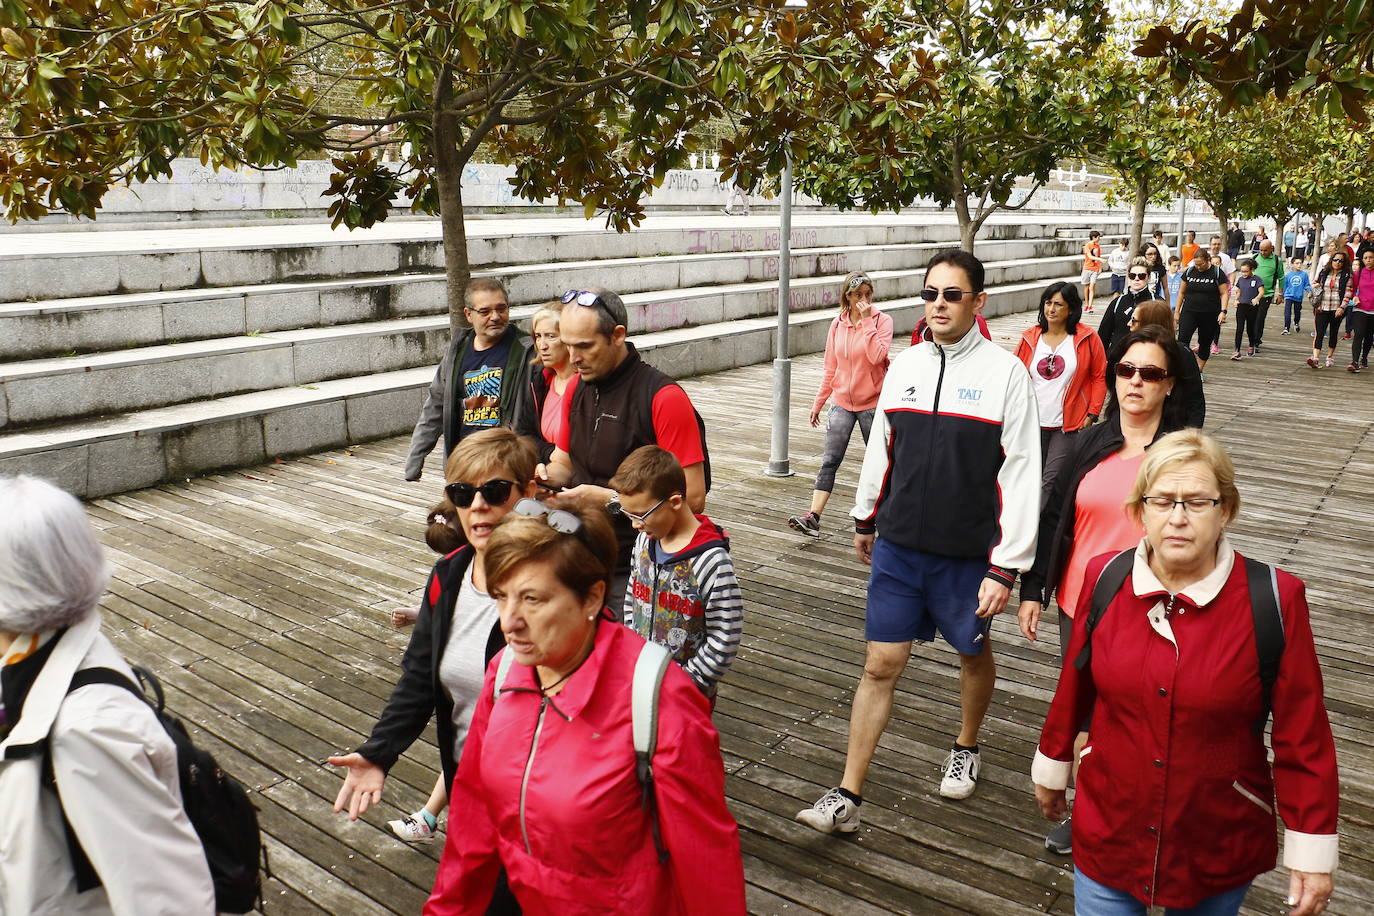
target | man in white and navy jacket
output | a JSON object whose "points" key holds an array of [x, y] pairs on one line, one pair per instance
{"points": [[946, 514]]}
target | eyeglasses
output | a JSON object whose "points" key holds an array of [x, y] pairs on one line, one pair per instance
{"points": [[858, 281], [950, 294], [1135, 276], [493, 310], [495, 492], [615, 508], [1147, 373], [1193, 505], [559, 520]]}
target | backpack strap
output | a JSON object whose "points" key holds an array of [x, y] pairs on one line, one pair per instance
{"points": [[1109, 582], [1269, 638], [650, 668], [502, 672]]}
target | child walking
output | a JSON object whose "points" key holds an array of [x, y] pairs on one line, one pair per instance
{"points": [[683, 593]]}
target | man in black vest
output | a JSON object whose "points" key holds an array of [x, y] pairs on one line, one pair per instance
{"points": [[620, 404]]}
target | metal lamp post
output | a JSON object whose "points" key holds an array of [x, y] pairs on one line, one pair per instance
{"points": [[779, 464], [1071, 179]]}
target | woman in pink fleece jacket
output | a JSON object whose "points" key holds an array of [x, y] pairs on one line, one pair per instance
{"points": [[855, 365]]}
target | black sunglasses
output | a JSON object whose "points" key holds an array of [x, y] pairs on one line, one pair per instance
{"points": [[495, 492], [1147, 373], [1136, 276], [950, 294]]}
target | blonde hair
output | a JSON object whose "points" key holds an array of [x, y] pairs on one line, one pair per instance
{"points": [[844, 286], [552, 310], [1185, 447], [492, 450]]}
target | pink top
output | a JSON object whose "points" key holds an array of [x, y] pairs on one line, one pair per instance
{"points": [[1362, 287], [1100, 523], [856, 361], [553, 423]]}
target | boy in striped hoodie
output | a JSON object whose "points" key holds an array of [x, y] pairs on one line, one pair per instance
{"points": [[683, 593]]}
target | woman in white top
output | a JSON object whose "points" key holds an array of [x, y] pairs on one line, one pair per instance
{"points": [[111, 759], [456, 634]]}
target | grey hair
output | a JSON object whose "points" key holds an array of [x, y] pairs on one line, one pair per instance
{"points": [[612, 316], [52, 569]]}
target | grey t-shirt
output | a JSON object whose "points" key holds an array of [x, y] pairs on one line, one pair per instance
{"points": [[464, 666]]}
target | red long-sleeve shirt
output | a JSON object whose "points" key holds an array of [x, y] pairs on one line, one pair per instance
{"points": [[1176, 796]]}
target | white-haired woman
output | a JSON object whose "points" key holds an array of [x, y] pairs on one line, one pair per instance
{"points": [[1176, 794], [111, 760]]}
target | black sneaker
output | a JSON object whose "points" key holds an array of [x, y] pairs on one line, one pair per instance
{"points": [[808, 524]]}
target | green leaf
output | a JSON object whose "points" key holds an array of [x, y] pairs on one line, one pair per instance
{"points": [[516, 17]]}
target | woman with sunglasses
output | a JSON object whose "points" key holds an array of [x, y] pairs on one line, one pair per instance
{"points": [[1188, 390], [456, 634], [553, 379], [1068, 370], [1117, 317], [1332, 297], [1158, 281], [856, 349], [1083, 516], [550, 784]]}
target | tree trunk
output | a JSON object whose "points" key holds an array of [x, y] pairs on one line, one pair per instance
{"points": [[1223, 216], [1142, 193], [1349, 221], [448, 176], [967, 230]]}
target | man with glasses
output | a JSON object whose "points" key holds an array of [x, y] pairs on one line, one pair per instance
{"points": [[620, 404], [482, 381], [951, 480]]}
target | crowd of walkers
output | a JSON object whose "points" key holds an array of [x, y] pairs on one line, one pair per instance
{"points": [[570, 641]]}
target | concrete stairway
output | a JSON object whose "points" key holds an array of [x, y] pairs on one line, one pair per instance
{"points": [[123, 368]]}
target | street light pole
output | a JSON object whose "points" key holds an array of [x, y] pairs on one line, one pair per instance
{"points": [[779, 465], [1182, 220]]}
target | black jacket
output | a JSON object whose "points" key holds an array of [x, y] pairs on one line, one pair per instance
{"points": [[1055, 541], [1116, 319], [418, 695], [1188, 388]]}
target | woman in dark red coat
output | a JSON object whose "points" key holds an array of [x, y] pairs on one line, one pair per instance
{"points": [[1176, 797]]}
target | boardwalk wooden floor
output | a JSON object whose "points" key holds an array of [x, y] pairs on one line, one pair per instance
{"points": [[260, 597]]}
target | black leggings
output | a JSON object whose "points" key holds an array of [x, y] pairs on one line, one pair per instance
{"points": [[1364, 336], [1247, 322], [1205, 324], [1327, 324]]}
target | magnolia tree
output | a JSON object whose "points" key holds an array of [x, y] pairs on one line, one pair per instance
{"points": [[955, 101], [590, 101]]}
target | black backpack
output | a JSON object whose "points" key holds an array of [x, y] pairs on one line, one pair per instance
{"points": [[216, 803], [1264, 608]]}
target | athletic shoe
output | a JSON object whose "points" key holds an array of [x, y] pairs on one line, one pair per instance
{"points": [[1347, 336], [1285, 332], [1364, 364], [1330, 362], [806, 524], [1312, 361], [412, 829], [1215, 349], [1060, 838], [961, 773], [1352, 368], [1253, 351], [1088, 309], [1235, 357], [831, 812]]}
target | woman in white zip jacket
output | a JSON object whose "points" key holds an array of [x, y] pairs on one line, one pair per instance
{"points": [[112, 761]]}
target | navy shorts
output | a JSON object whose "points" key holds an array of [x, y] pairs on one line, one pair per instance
{"points": [[913, 594]]}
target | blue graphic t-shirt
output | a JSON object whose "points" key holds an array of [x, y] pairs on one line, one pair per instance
{"points": [[482, 372], [1249, 288]]}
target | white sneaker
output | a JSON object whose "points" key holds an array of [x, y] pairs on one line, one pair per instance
{"points": [[961, 774], [412, 829], [830, 813]]}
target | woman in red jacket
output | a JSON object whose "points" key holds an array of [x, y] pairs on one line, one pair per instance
{"points": [[1176, 795], [548, 783], [1068, 369]]}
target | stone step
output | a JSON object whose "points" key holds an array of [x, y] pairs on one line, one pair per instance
{"points": [[96, 323], [111, 454], [115, 263], [40, 391]]}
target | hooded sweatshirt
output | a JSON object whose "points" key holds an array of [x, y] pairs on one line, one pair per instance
{"points": [[855, 361]]}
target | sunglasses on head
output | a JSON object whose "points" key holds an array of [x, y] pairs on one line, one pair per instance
{"points": [[586, 297], [494, 492], [858, 281], [1138, 276], [1147, 373], [950, 294], [559, 520]]}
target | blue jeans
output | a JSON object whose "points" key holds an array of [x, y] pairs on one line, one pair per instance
{"points": [[839, 429], [1292, 309], [1093, 899]]}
